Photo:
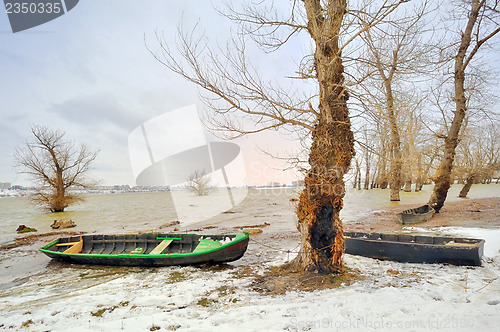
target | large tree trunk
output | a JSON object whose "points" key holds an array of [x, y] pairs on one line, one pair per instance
{"points": [[419, 183], [407, 187], [408, 174], [383, 168], [367, 172], [331, 151], [468, 184], [374, 182], [442, 180], [396, 163], [411, 158], [359, 175], [443, 176], [356, 174], [58, 200]]}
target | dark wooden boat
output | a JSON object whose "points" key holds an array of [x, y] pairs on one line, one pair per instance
{"points": [[415, 215], [415, 248], [149, 249]]}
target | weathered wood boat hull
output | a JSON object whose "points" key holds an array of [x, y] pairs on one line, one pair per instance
{"points": [[415, 248], [416, 215], [156, 249]]}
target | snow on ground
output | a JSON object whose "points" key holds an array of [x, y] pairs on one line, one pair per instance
{"points": [[389, 296]]}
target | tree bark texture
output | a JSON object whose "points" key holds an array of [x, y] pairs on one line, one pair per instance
{"points": [[356, 173], [367, 172], [383, 182], [468, 184], [332, 147], [419, 183], [396, 162]]}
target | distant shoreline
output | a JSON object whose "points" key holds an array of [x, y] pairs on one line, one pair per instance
{"points": [[27, 192]]}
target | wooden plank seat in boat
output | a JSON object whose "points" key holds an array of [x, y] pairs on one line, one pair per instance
{"points": [[66, 244], [75, 247], [159, 248], [163, 245]]}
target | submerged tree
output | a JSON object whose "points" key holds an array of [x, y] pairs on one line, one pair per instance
{"points": [[55, 164], [199, 183], [482, 24], [238, 92]]}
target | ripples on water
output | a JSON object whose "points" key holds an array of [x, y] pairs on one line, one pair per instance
{"points": [[103, 213]]}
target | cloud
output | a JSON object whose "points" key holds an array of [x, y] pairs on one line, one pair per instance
{"points": [[9, 138], [95, 110], [89, 74]]}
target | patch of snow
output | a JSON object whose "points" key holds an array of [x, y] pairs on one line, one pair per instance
{"points": [[390, 296]]}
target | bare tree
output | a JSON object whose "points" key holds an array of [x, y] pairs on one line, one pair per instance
{"points": [[482, 24], [381, 180], [374, 141], [237, 93], [478, 156], [199, 183], [56, 165], [366, 143], [394, 56]]}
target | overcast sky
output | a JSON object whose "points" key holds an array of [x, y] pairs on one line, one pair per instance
{"points": [[88, 73]]}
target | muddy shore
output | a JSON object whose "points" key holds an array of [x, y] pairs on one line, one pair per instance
{"points": [[479, 213]]}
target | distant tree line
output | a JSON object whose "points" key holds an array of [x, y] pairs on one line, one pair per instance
{"points": [[425, 104], [477, 160]]}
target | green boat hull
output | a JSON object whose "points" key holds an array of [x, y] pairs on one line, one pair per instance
{"points": [[149, 249]]}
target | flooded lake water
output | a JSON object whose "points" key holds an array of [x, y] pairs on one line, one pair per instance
{"points": [[129, 212]]}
